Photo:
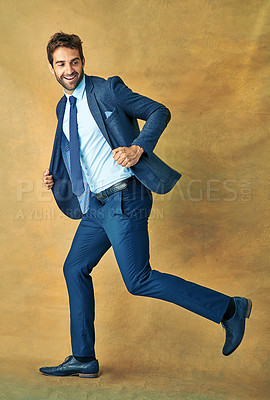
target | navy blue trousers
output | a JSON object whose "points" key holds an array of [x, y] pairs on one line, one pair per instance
{"points": [[121, 221]]}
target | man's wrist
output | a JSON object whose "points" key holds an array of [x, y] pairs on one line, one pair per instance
{"points": [[139, 149]]}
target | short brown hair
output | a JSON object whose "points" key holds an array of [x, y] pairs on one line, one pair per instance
{"points": [[61, 39]]}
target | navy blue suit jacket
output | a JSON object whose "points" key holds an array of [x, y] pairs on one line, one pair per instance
{"points": [[119, 129]]}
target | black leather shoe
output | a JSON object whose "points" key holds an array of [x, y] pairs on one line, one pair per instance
{"points": [[73, 367], [235, 326]]}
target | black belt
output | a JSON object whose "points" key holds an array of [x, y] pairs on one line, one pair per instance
{"points": [[117, 187]]}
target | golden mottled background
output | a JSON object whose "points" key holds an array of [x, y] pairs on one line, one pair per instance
{"points": [[208, 61]]}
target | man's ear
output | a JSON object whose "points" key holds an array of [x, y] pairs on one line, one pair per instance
{"points": [[51, 68], [83, 62]]}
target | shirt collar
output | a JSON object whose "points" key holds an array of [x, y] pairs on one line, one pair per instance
{"points": [[78, 92]]}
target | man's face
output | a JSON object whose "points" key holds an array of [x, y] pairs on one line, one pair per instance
{"points": [[67, 68]]}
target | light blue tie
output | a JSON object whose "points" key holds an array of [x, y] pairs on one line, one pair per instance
{"points": [[76, 169]]}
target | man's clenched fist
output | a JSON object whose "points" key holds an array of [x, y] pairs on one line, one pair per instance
{"points": [[47, 179], [127, 156]]}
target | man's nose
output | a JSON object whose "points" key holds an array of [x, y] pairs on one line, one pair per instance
{"points": [[69, 69]]}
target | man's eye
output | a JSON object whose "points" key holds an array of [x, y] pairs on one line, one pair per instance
{"points": [[75, 62]]}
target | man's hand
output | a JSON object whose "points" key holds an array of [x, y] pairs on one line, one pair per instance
{"points": [[127, 156], [47, 179]]}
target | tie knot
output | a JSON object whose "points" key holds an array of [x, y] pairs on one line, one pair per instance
{"points": [[72, 100]]}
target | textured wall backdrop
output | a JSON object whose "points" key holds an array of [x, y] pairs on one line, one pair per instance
{"points": [[208, 62]]}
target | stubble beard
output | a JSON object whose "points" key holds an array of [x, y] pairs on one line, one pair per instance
{"points": [[73, 85]]}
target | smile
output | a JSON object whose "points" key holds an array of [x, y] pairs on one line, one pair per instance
{"points": [[71, 78]]}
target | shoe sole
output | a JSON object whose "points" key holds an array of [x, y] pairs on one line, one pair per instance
{"points": [[95, 375], [88, 375], [249, 308]]}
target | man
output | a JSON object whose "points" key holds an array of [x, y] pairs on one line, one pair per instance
{"points": [[103, 171]]}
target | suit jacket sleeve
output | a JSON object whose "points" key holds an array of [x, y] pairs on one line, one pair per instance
{"points": [[155, 114]]}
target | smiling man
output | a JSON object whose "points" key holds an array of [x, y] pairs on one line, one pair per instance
{"points": [[103, 171]]}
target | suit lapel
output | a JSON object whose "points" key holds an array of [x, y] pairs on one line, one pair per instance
{"points": [[56, 153], [60, 114], [94, 108]]}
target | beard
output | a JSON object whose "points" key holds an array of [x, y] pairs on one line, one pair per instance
{"points": [[77, 78]]}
